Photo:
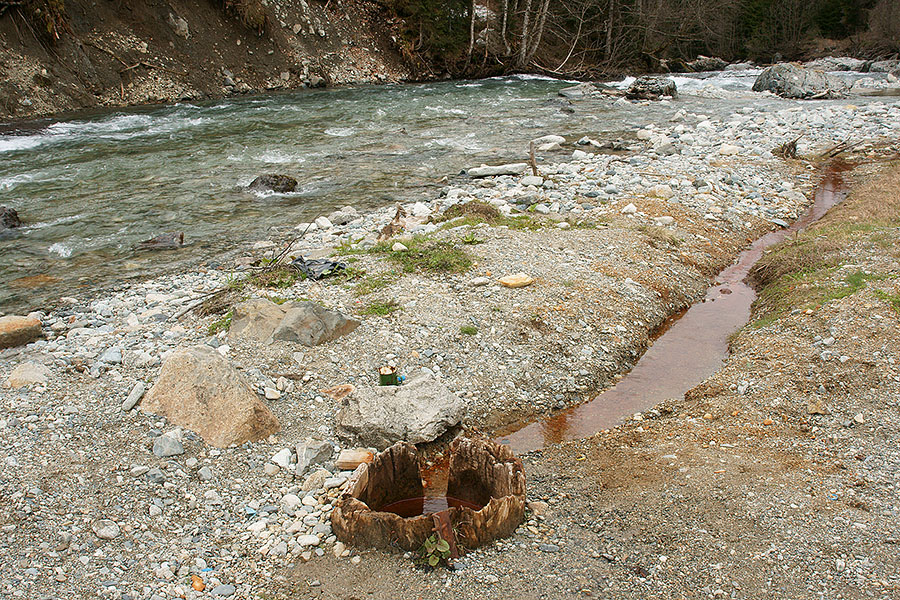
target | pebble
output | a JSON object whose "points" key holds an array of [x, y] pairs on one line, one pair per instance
{"points": [[106, 529], [223, 590], [137, 392], [167, 445]]}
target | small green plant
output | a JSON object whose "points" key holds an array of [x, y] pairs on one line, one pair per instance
{"points": [[434, 551], [468, 330], [373, 283], [470, 239], [892, 299], [380, 308], [221, 324]]}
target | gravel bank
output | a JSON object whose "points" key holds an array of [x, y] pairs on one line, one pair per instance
{"points": [[615, 244]]}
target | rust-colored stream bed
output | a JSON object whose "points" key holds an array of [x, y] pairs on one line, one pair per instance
{"points": [[688, 352]]}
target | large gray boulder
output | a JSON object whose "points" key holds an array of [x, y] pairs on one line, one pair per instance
{"points": [[651, 88], [200, 390], [792, 81], [304, 323], [418, 411]]}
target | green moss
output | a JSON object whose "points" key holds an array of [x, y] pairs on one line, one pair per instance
{"points": [[468, 330], [380, 308], [221, 324], [893, 300]]}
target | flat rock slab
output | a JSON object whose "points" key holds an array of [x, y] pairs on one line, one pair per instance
{"points": [[200, 390], [18, 331], [418, 411], [490, 171], [28, 373], [516, 281], [304, 323]]}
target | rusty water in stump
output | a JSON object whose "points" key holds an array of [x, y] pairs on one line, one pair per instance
{"points": [[690, 349], [483, 487], [425, 505], [435, 477]]}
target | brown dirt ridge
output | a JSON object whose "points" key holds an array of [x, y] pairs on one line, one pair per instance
{"points": [[129, 53]]}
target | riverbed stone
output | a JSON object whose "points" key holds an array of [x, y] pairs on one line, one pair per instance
{"points": [[793, 81], [490, 171], [273, 183], [418, 411], [311, 452], [9, 218], [651, 88], [200, 390], [305, 323], [16, 330]]}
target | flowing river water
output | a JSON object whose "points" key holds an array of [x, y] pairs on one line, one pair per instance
{"points": [[91, 186]]}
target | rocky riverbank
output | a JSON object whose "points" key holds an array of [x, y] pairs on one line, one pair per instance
{"points": [[97, 503]]}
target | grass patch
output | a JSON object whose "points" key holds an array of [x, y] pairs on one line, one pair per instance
{"points": [[660, 237], [475, 211], [468, 330], [380, 308], [424, 254], [373, 283], [280, 278], [893, 300], [221, 324]]}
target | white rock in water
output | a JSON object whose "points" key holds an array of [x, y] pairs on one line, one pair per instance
{"points": [[323, 223], [486, 171], [579, 154], [398, 247], [550, 139], [282, 458], [629, 209], [532, 180]]}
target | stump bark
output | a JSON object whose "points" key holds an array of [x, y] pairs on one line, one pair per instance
{"points": [[481, 472]]}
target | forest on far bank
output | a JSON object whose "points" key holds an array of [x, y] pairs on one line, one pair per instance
{"points": [[584, 37]]}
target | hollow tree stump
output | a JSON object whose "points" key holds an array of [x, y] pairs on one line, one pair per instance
{"points": [[482, 472]]}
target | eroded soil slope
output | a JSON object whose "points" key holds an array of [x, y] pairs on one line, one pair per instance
{"points": [[130, 52]]}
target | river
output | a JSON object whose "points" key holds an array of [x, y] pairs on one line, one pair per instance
{"points": [[89, 187]]}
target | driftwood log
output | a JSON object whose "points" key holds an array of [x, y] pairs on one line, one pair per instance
{"points": [[482, 472]]}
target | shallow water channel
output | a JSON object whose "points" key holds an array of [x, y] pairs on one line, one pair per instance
{"points": [[90, 186], [689, 350]]}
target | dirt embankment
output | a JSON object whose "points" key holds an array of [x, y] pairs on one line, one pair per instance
{"points": [[126, 53]]}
